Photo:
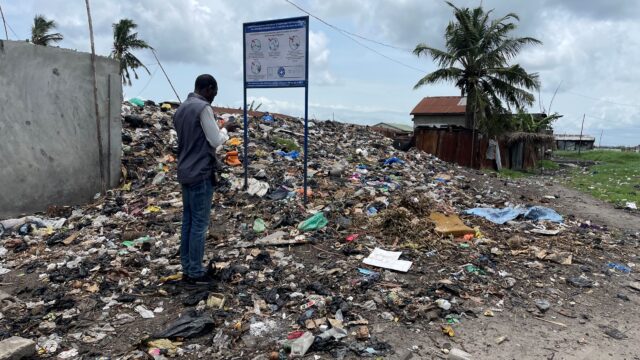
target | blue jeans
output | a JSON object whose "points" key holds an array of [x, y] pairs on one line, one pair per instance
{"points": [[196, 202]]}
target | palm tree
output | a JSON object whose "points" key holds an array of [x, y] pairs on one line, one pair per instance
{"points": [[476, 59], [124, 41], [40, 31]]}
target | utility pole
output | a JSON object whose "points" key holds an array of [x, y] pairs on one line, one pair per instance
{"points": [[600, 143], [103, 184], [4, 22], [580, 141], [165, 75]]}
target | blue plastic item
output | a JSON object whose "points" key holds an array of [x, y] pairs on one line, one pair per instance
{"points": [[393, 160], [619, 267], [537, 213], [267, 118], [501, 216], [292, 155], [497, 216]]}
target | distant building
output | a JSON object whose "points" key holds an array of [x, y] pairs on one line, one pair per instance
{"points": [[440, 112], [441, 128], [393, 129], [573, 142]]}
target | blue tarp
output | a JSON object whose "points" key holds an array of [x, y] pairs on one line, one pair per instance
{"points": [[501, 216], [292, 155], [393, 160]]}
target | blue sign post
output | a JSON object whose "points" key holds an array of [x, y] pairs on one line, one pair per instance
{"points": [[276, 55]]}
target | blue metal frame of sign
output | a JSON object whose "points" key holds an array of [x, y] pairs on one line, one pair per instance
{"points": [[287, 76]]}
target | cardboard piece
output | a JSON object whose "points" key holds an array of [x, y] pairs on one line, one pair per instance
{"points": [[450, 225]]}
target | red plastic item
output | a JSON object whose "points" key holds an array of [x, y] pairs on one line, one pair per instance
{"points": [[352, 237], [295, 335]]}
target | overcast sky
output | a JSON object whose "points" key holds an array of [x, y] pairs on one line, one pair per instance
{"points": [[590, 51]]}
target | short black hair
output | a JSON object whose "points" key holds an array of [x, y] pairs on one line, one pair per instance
{"points": [[205, 81]]}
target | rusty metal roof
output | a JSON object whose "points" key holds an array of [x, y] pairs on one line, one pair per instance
{"points": [[441, 105]]}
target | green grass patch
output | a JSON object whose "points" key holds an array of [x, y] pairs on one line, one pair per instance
{"points": [[616, 157], [548, 165], [616, 177], [286, 144]]}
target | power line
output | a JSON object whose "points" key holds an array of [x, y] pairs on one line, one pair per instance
{"points": [[13, 32], [351, 36], [347, 31], [149, 81], [5, 23]]}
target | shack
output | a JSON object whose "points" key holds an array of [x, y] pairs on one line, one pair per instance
{"points": [[393, 130], [440, 128], [440, 112], [574, 142]]}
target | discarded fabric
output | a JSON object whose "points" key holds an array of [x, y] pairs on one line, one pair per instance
{"points": [[501, 216]]}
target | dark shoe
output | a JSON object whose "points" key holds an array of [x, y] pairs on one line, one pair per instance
{"points": [[200, 280], [211, 269]]}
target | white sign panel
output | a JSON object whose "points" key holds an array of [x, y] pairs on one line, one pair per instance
{"points": [[276, 53]]}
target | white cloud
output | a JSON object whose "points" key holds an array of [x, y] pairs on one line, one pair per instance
{"points": [[591, 47]]}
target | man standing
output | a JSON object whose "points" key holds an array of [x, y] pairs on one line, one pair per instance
{"points": [[198, 138]]}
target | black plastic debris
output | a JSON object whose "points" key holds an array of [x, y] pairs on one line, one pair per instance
{"points": [[194, 298], [580, 282], [188, 325]]}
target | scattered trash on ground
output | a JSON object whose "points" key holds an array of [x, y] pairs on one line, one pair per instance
{"points": [[389, 239]]}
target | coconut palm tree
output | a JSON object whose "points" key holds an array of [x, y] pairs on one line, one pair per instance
{"points": [[476, 59], [124, 41], [41, 31]]}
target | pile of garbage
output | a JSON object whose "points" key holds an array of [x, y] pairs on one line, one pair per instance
{"points": [[388, 238]]}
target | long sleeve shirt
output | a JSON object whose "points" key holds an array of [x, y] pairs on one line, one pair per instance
{"points": [[215, 136]]}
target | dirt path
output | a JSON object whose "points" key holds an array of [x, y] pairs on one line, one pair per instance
{"points": [[585, 314], [574, 202], [576, 324]]}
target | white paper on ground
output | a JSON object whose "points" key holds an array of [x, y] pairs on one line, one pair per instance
{"points": [[388, 260]]}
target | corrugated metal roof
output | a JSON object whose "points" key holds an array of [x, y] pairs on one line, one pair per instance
{"points": [[566, 137], [454, 105], [396, 126]]}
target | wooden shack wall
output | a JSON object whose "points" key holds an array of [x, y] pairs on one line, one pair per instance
{"points": [[454, 145]]}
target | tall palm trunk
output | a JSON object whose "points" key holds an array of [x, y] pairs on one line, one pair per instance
{"points": [[103, 182]]}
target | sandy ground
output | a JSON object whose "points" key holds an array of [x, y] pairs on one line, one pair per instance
{"points": [[582, 315]]}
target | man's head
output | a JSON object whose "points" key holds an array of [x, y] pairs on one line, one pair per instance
{"points": [[207, 87]]}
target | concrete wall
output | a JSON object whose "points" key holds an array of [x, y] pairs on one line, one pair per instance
{"points": [[433, 120], [48, 135]]}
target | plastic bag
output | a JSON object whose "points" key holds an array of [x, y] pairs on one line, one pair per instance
{"points": [[137, 102], [189, 325], [259, 226], [317, 221]]}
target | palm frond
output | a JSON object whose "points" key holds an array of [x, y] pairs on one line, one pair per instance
{"points": [[124, 42], [40, 31], [476, 59], [440, 75]]}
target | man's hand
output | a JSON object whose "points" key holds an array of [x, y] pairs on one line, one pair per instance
{"points": [[231, 126]]}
